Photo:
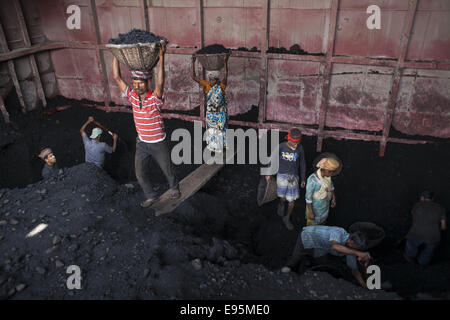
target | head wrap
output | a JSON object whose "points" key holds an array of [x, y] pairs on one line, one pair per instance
{"points": [[44, 153], [96, 132], [295, 137], [213, 74], [141, 75], [328, 164]]}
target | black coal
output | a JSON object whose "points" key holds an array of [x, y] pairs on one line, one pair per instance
{"points": [[294, 49], [212, 49], [136, 36]]}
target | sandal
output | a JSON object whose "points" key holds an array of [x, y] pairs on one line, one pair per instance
{"points": [[147, 203]]}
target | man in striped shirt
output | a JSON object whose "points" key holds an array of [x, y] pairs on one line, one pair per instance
{"points": [[150, 141]]}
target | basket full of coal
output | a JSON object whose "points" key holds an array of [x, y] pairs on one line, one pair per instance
{"points": [[211, 57], [137, 49]]}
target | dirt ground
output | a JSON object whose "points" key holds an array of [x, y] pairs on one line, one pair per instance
{"points": [[218, 244]]}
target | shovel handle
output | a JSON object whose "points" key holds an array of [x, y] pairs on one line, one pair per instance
{"points": [[98, 124]]}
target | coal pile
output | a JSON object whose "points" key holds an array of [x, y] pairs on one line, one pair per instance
{"points": [[294, 49], [213, 49], [125, 253], [253, 49], [136, 36]]}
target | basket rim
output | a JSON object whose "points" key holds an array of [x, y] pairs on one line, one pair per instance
{"points": [[211, 54], [130, 45], [367, 224]]}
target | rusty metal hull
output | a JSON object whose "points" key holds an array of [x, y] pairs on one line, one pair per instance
{"points": [[353, 79]]}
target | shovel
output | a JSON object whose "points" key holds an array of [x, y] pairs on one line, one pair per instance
{"points": [[98, 124]]}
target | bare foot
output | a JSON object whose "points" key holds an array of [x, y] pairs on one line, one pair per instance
{"points": [[280, 210], [288, 223], [147, 202]]}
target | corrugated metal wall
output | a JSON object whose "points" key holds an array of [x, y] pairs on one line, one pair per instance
{"points": [[352, 79]]}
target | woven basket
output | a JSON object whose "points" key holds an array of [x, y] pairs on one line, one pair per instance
{"points": [[138, 56], [212, 61], [267, 192], [374, 233]]}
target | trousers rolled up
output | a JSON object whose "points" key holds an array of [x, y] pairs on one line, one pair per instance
{"points": [[160, 152]]}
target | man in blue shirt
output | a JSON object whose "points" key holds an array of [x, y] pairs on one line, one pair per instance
{"points": [[94, 149], [332, 240]]}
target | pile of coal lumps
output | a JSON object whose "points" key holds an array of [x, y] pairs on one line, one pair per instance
{"points": [[136, 36], [213, 49]]}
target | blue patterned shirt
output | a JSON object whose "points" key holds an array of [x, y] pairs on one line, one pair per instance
{"points": [[320, 239]]}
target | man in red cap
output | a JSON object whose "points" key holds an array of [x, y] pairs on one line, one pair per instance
{"points": [[292, 158], [150, 141]]}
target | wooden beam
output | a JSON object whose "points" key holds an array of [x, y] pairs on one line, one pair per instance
{"points": [[100, 56], [31, 58], [3, 110], [404, 42], [326, 78], [12, 71], [146, 17], [265, 29], [376, 62], [281, 126], [188, 186], [201, 29]]}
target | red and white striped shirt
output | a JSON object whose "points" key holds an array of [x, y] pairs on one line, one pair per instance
{"points": [[147, 116]]}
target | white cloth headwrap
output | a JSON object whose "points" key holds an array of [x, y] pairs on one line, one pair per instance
{"points": [[144, 75], [325, 189], [213, 74]]}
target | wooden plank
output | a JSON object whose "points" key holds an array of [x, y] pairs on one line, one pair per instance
{"points": [[12, 71], [326, 78], [188, 186], [100, 57], [390, 110], [284, 127], [31, 58], [265, 28], [3, 110], [201, 25], [146, 17]]}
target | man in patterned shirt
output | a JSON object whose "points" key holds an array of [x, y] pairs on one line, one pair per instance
{"points": [[151, 139]]}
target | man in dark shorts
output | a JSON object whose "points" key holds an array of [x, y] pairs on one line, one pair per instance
{"points": [[292, 168]]}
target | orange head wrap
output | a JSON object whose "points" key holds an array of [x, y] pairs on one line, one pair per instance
{"points": [[295, 136]]}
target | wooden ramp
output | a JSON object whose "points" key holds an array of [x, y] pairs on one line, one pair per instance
{"points": [[188, 186]]}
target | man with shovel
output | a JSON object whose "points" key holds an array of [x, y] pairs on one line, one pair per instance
{"points": [[151, 140], [93, 147]]}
